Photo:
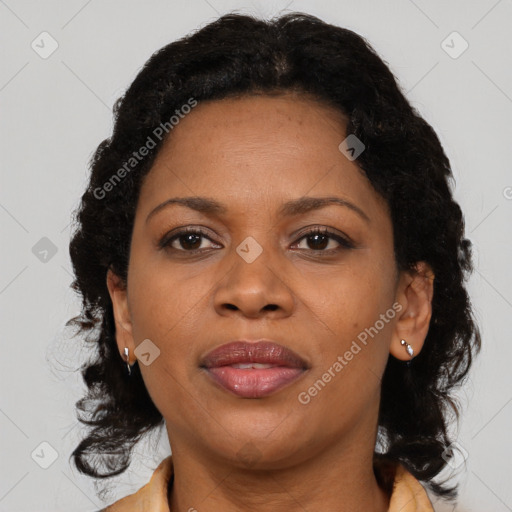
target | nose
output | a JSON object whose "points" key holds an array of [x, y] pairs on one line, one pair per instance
{"points": [[254, 289]]}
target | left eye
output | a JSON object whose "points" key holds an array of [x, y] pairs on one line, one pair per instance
{"points": [[319, 240]]}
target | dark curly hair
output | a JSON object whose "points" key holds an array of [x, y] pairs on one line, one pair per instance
{"points": [[404, 161]]}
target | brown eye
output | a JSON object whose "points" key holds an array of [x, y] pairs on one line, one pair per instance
{"points": [[319, 240], [190, 241], [187, 240]]}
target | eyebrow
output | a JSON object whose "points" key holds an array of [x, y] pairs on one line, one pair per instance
{"points": [[209, 206], [306, 204]]}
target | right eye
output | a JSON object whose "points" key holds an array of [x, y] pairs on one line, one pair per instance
{"points": [[190, 240]]}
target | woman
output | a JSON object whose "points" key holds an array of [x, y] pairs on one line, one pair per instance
{"points": [[272, 266]]}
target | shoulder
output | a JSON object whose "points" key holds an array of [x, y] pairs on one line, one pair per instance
{"points": [[405, 492], [153, 496], [408, 495]]}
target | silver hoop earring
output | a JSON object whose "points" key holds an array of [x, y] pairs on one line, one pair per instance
{"points": [[408, 347], [127, 358]]}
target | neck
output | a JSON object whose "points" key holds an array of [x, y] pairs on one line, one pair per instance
{"points": [[340, 478]]}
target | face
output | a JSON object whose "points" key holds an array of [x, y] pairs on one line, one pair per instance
{"points": [[311, 277]]}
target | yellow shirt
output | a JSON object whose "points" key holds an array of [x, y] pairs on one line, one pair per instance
{"points": [[408, 494]]}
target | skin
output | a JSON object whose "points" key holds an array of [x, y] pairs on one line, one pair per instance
{"points": [[253, 154]]}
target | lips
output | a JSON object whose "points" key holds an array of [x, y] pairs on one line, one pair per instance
{"points": [[253, 369]]}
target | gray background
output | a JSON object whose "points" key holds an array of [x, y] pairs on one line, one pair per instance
{"points": [[55, 111]]}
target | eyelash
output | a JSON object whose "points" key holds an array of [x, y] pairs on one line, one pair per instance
{"points": [[345, 243]]}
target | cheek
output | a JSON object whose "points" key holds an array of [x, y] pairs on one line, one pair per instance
{"points": [[351, 358], [354, 297], [162, 300], [358, 319], [163, 307]]}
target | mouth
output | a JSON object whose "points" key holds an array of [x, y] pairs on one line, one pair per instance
{"points": [[253, 369]]}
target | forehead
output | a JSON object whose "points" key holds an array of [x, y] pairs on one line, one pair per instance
{"points": [[258, 148]]}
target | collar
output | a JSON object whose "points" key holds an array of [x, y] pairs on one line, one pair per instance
{"points": [[408, 495]]}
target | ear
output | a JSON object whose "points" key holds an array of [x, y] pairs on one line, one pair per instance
{"points": [[415, 291], [119, 298]]}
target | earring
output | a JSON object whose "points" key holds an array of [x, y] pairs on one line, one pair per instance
{"points": [[408, 347], [127, 358]]}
